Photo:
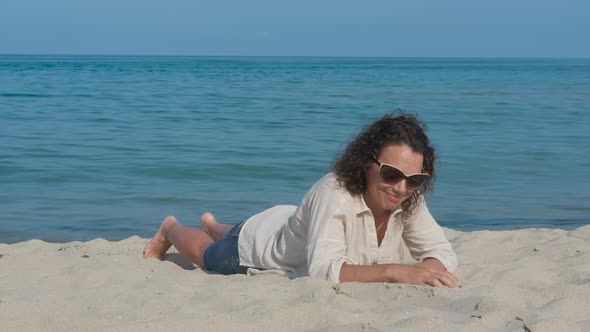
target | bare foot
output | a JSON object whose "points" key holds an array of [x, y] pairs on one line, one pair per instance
{"points": [[208, 223], [158, 245]]}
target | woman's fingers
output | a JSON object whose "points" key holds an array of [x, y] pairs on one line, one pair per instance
{"points": [[436, 283], [440, 279], [447, 279], [453, 277], [421, 275]]}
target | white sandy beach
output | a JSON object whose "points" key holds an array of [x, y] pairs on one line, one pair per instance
{"points": [[523, 280]]}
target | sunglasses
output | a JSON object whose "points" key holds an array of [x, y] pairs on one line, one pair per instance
{"points": [[392, 175]]}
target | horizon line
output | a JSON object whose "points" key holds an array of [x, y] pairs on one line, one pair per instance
{"points": [[291, 56]]}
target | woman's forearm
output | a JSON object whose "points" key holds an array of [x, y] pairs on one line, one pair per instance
{"points": [[366, 273]]}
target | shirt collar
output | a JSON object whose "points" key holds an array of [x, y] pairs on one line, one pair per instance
{"points": [[361, 207]]}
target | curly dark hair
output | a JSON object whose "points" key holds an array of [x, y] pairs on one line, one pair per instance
{"points": [[397, 127]]}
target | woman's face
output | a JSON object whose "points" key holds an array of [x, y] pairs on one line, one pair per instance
{"points": [[381, 196]]}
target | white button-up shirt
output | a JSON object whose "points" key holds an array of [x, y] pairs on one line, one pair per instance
{"points": [[332, 227]]}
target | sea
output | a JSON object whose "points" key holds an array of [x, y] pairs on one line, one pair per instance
{"points": [[108, 146]]}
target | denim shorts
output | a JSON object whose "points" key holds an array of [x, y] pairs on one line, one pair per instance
{"points": [[222, 256]]}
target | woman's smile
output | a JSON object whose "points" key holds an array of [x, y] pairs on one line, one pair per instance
{"points": [[394, 199]]}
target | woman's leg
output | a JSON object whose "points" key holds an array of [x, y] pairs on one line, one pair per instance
{"points": [[190, 242], [213, 228]]}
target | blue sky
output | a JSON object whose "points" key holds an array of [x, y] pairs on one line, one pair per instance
{"points": [[422, 28]]}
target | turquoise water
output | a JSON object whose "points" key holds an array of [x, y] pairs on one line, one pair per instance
{"points": [[107, 146]]}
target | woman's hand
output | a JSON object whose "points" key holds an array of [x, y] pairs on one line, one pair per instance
{"points": [[427, 272]]}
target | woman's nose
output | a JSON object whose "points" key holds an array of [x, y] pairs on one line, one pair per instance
{"points": [[401, 187]]}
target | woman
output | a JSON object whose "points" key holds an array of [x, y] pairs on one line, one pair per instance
{"points": [[348, 227]]}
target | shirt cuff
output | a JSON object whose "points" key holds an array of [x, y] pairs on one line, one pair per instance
{"points": [[335, 267]]}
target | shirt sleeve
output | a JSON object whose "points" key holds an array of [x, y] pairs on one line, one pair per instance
{"points": [[326, 245], [425, 238]]}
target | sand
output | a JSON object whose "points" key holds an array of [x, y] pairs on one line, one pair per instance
{"points": [[522, 280]]}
